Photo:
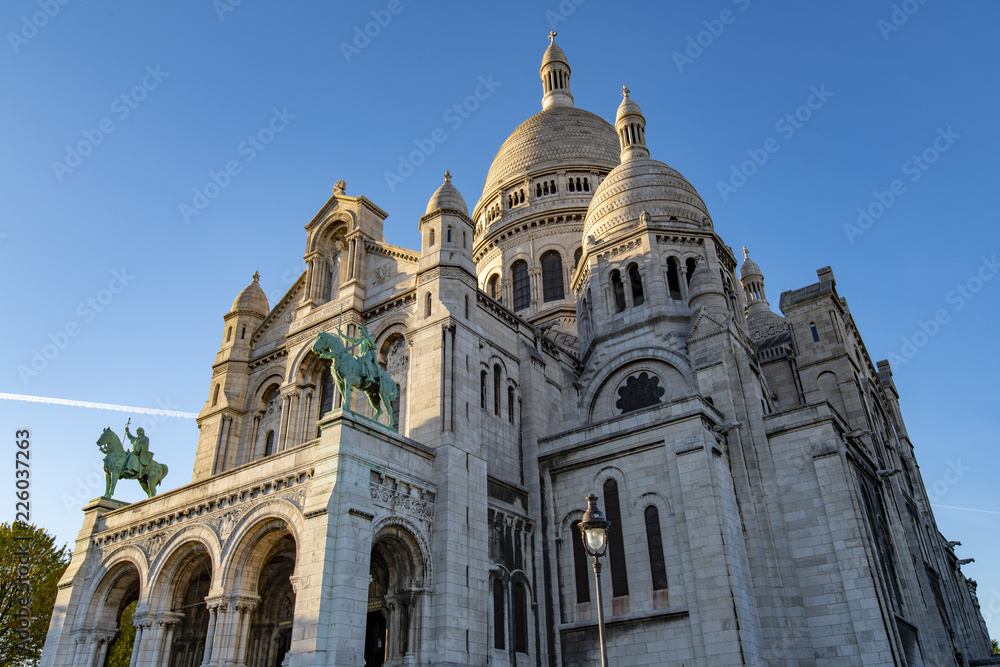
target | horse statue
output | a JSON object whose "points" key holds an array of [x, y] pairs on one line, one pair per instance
{"points": [[121, 464], [349, 373]]}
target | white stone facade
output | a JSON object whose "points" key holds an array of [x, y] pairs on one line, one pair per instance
{"points": [[583, 330]]}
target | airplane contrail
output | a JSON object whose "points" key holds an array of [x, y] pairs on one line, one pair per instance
{"points": [[99, 406], [965, 509]]}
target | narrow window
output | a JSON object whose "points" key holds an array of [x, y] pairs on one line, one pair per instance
{"points": [[510, 404], [586, 185], [553, 184], [498, 615], [636, 280], [215, 395], [576, 257], [545, 188], [466, 306], [691, 266], [522, 287], [449, 235], [619, 289], [616, 540], [520, 619], [552, 279], [269, 444], [538, 190], [815, 333], [580, 564], [571, 185], [431, 237], [492, 287], [326, 393], [673, 279], [482, 390], [654, 540], [243, 334], [496, 389], [229, 334], [427, 305]]}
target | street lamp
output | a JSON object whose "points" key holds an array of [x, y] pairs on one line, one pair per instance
{"points": [[594, 532]]}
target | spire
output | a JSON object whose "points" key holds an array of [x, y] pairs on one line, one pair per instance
{"points": [[555, 74], [630, 125], [760, 317]]}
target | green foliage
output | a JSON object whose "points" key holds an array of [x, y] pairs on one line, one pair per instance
{"points": [[996, 647], [30, 568], [120, 653]]}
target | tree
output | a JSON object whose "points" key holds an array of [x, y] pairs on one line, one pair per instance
{"points": [[30, 568], [120, 654], [996, 647]]}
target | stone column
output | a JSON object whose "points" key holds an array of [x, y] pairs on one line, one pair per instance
{"points": [[213, 619], [101, 651], [80, 648], [168, 624], [283, 423], [239, 627]]}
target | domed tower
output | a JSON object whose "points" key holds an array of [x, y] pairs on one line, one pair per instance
{"points": [[230, 377], [529, 218], [761, 320], [645, 233]]}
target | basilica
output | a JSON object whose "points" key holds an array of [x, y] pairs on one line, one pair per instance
{"points": [[581, 330]]}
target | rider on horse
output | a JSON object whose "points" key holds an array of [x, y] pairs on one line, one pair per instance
{"points": [[140, 457], [369, 365]]}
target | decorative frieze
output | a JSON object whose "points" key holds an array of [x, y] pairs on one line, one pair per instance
{"points": [[402, 497]]}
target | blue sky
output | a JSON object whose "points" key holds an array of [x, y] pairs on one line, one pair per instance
{"points": [[118, 115]]}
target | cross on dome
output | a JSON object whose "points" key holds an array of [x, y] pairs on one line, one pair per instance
{"points": [[256, 276], [625, 91], [552, 36], [746, 253], [447, 176]]}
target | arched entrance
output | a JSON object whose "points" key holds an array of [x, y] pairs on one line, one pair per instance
{"points": [[114, 632], [395, 597], [272, 618], [194, 579]]}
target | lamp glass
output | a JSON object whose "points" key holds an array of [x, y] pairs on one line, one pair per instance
{"points": [[596, 539]]}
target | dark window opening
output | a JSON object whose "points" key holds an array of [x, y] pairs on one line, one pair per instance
{"points": [[580, 564], [691, 266], [482, 390], [522, 286], [673, 279], [633, 276], [654, 540], [616, 540], [815, 333], [552, 279], [269, 444], [496, 389], [619, 289], [499, 639], [520, 619]]}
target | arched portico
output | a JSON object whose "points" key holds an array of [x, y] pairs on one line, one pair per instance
{"points": [[396, 598]]}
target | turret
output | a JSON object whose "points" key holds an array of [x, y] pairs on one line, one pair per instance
{"points": [[555, 73], [630, 125], [446, 230]]}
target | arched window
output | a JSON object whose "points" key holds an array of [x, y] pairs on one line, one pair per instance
{"points": [[552, 279], [586, 185], [571, 187], [431, 237], [482, 390], [691, 265], [499, 638], [633, 277], [493, 287], [619, 289], [577, 256], [520, 613], [538, 189], [522, 287], [269, 444], [579, 564], [673, 279], [215, 396], [616, 540], [654, 541], [510, 404], [427, 305], [496, 389]]}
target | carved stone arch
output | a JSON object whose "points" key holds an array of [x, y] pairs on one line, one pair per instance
{"points": [[499, 571], [302, 365], [328, 228], [566, 525], [256, 397], [385, 327], [496, 359], [243, 554], [675, 362], [658, 500], [176, 556], [617, 474], [121, 569], [412, 538]]}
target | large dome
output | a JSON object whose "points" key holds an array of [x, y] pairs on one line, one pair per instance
{"points": [[643, 185], [559, 136]]}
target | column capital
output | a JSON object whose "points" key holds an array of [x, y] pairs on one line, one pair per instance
{"points": [[244, 603], [170, 619], [217, 603]]}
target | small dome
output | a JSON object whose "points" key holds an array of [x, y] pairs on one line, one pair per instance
{"points": [[749, 267], [252, 299], [705, 289], [639, 185], [554, 54], [628, 107], [447, 197]]}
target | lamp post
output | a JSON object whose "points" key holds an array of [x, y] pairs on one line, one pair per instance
{"points": [[594, 531]]}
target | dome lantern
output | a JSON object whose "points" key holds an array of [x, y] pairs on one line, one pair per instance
{"points": [[555, 72], [630, 125]]}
